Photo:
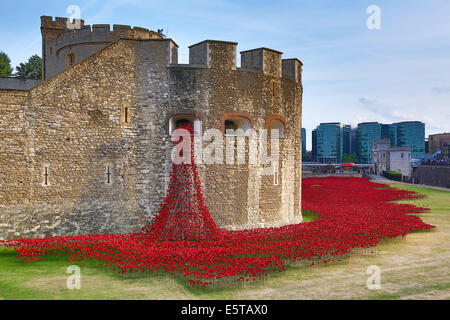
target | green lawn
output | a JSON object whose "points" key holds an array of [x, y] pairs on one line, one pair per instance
{"points": [[416, 267]]}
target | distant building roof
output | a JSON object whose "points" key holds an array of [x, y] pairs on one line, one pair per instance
{"points": [[399, 149], [363, 123], [409, 122]]}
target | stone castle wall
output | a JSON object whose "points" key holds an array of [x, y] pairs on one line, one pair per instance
{"points": [[71, 126], [433, 176], [11, 83], [238, 196], [71, 129]]}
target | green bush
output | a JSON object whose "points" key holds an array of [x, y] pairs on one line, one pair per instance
{"points": [[393, 175]]}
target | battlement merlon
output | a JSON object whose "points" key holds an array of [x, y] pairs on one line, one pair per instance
{"points": [[292, 69], [214, 54]]}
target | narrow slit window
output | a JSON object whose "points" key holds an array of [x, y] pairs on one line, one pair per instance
{"points": [[125, 116], [108, 175], [45, 183], [275, 175]]}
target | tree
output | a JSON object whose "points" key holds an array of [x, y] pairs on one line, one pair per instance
{"points": [[350, 158], [5, 65], [31, 69]]}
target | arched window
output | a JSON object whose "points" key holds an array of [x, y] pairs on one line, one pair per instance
{"points": [[276, 124], [180, 120], [237, 125]]}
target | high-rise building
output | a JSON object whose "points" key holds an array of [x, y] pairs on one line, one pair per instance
{"points": [[352, 140], [332, 141], [366, 133], [314, 145], [393, 134], [412, 134], [303, 142]]}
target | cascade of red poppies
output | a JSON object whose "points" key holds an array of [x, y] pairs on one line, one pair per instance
{"points": [[183, 215], [354, 213]]}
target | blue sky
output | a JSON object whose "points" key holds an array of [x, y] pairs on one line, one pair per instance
{"points": [[351, 74]]}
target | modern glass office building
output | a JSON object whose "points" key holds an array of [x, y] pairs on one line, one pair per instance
{"points": [[330, 142], [352, 141], [303, 142], [367, 132], [314, 145], [412, 134], [393, 134]]}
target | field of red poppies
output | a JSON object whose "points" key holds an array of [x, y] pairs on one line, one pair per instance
{"points": [[354, 213]]}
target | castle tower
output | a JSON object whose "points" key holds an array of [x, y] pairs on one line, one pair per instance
{"points": [[63, 47], [51, 30]]}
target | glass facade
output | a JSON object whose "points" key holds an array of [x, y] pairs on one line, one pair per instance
{"points": [[365, 134], [314, 145], [393, 134], [331, 142], [352, 141], [303, 142], [412, 134]]}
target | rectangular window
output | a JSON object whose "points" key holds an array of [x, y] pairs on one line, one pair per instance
{"points": [[125, 116], [51, 51], [70, 59]]}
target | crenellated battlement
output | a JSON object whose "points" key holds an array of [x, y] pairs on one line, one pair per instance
{"points": [[58, 22], [63, 47], [102, 33], [59, 41], [216, 54]]}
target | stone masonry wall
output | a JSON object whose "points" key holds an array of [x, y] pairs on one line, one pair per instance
{"points": [[239, 196], [433, 175], [71, 127], [63, 139]]}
